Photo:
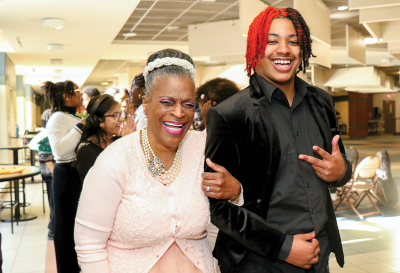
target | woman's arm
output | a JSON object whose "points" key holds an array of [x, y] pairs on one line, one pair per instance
{"points": [[101, 195], [63, 140]]}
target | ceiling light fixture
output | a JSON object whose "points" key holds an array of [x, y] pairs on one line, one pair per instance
{"points": [[172, 28], [129, 34], [104, 83], [342, 7], [210, 1], [19, 42], [53, 23], [370, 41], [56, 61], [55, 47]]}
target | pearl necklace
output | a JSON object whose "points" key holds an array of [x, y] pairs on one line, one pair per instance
{"points": [[156, 166]]}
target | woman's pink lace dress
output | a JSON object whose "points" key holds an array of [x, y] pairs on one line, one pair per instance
{"points": [[127, 221]]}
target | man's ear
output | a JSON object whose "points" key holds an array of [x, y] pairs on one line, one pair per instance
{"points": [[145, 102]]}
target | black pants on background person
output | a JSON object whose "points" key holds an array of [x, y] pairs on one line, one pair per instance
{"points": [[67, 188], [49, 187]]}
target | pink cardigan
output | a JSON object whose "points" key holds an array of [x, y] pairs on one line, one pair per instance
{"points": [[127, 220]]}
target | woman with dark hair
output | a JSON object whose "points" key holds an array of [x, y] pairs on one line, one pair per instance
{"points": [[136, 98], [104, 125], [214, 92], [64, 131]]}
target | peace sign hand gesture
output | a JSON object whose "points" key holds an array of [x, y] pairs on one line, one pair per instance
{"points": [[331, 168]]}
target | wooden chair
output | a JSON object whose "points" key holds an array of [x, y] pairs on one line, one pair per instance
{"points": [[364, 180], [352, 156]]}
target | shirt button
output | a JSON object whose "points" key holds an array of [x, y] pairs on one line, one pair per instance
{"points": [[258, 201], [297, 133], [157, 256], [308, 185], [170, 194]]}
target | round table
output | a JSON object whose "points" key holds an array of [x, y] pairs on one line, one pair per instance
{"points": [[29, 136], [14, 147], [29, 171]]}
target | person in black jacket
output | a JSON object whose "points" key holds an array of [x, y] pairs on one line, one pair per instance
{"points": [[104, 125], [278, 138]]}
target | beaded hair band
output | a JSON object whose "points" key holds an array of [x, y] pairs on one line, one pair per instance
{"points": [[166, 62]]}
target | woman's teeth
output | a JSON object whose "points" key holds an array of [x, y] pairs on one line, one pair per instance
{"points": [[174, 127]]}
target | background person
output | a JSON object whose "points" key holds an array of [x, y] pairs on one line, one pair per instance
{"points": [[136, 98], [103, 126], [47, 164], [64, 131], [198, 120], [214, 92], [88, 93]]}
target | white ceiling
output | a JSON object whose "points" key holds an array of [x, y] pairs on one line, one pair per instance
{"points": [[95, 50], [90, 27]]}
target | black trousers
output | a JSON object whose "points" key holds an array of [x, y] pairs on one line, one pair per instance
{"points": [[49, 186], [67, 188], [257, 264]]}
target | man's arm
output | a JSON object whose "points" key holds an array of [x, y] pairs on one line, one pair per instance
{"points": [[237, 222]]}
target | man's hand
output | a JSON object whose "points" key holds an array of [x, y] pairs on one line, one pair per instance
{"points": [[305, 250], [331, 168], [222, 185]]}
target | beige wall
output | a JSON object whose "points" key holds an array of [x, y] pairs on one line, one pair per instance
{"points": [[378, 102], [343, 108]]}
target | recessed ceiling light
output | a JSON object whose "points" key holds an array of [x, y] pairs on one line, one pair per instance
{"points": [[211, 1], [55, 47], [370, 41], [173, 27], [342, 7], [104, 83], [56, 61], [129, 34], [54, 23]]}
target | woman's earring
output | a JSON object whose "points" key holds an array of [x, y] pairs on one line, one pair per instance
{"points": [[139, 96]]}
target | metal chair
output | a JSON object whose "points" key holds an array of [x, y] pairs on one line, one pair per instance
{"points": [[352, 156], [363, 183], [10, 205]]}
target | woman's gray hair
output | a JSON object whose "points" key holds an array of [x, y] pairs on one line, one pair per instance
{"points": [[171, 70]]}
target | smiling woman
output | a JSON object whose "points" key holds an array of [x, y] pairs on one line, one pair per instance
{"points": [[142, 208], [104, 125]]}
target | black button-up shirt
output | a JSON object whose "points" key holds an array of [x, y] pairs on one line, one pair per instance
{"points": [[299, 199]]}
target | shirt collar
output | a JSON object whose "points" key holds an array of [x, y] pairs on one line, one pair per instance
{"points": [[268, 88]]}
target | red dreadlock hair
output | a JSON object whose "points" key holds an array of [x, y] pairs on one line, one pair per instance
{"points": [[257, 37]]}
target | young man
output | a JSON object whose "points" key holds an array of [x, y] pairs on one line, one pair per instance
{"points": [[279, 140]]}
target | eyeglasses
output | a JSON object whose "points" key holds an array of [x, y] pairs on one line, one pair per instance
{"points": [[117, 115]]}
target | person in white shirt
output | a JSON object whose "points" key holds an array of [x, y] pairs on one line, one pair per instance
{"points": [[64, 131], [135, 97]]}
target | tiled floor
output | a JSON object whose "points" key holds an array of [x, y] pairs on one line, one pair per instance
{"points": [[371, 245]]}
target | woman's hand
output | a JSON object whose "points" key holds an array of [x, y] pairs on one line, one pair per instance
{"points": [[221, 184], [129, 126]]}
